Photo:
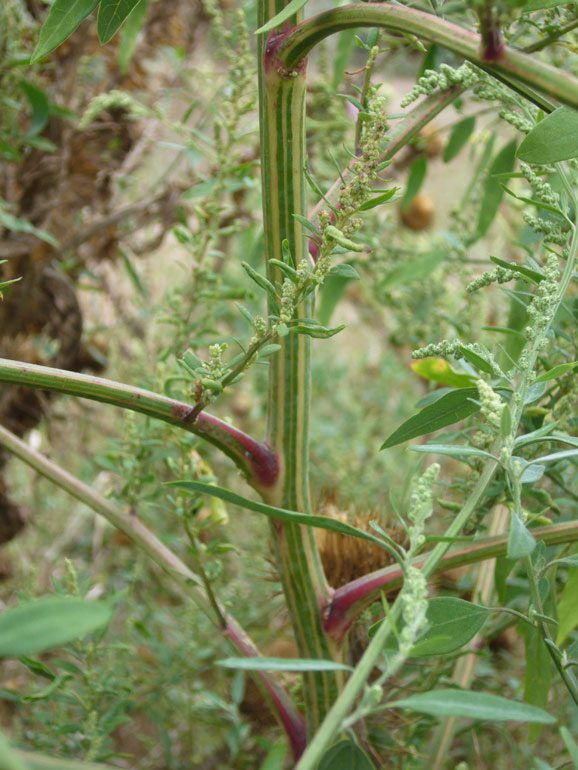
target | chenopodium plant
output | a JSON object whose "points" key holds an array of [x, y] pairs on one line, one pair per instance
{"points": [[300, 254]]}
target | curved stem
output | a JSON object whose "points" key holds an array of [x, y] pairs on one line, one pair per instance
{"points": [[299, 41], [188, 582], [255, 459]]}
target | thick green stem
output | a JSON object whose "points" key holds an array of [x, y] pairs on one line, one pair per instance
{"points": [[282, 113], [519, 66], [255, 459]]}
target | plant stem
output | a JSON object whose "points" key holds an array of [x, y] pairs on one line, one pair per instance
{"points": [[188, 582], [546, 41], [255, 459], [282, 114], [299, 41]]}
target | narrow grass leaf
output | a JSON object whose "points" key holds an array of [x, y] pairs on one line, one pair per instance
{"points": [[473, 705], [49, 622]]}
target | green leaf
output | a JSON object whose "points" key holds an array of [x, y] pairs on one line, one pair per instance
{"points": [[439, 370], [493, 191], [460, 134], [276, 757], [415, 180], [538, 671], [378, 200], [9, 760], [129, 34], [345, 755], [289, 10], [555, 138], [282, 664], [49, 622], [570, 744], [331, 292], [557, 371], [532, 275], [261, 281], [40, 106], [318, 332], [571, 561], [414, 270], [343, 50], [447, 410], [568, 607], [63, 18], [473, 705], [268, 350], [451, 450], [476, 360], [111, 14], [18, 225], [542, 5], [520, 542], [452, 623], [322, 522], [344, 271]]}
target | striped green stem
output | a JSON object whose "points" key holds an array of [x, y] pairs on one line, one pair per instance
{"points": [[282, 112], [511, 64], [255, 459]]}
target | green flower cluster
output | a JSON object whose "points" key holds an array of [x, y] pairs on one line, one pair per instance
{"points": [[432, 80]]}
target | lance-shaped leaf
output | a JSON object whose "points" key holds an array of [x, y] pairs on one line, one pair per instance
{"points": [[63, 18], [282, 664], [111, 14], [554, 139]]}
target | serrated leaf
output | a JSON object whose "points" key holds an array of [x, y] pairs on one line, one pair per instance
{"points": [[282, 664], [557, 371], [439, 370], [289, 10], [344, 271], [459, 136], [555, 138], [111, 14], [49, 622], [447, 410], [473, 705], [63, 18], [493, 191], [345, 755]]}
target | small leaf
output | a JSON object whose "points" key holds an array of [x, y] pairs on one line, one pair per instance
{"points": [[451, 450], [570, 744], [567, 609], [307, 224], [415, 180], [473, 705], [378, 200], [111, 14], [532, 275], [520, 542], [40, 106], [554, 139], [318, 332], [493, 191], [414, 270], [268, 350], [439, 370], [476, 360], [261, 281], [447, 410], [460, 134], [344, 271], [289, 10], [345, 755], [557, 371], [282, 664], [49, 622], [63, 18]]}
